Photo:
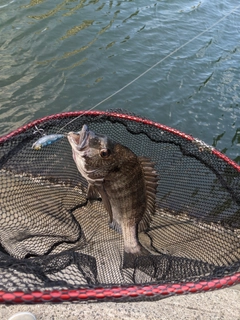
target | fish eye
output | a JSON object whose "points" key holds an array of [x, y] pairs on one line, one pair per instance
{"points": [[104, 153]]}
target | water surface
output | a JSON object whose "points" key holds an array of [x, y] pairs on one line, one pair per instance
{"points": [[67, 55]]}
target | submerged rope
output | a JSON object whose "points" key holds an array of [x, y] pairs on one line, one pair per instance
{"points": [[154, 65]]}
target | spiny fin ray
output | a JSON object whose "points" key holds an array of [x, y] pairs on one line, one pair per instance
{"points": [[151, 179]]}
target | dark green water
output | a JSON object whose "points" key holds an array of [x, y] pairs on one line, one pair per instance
{"points": [[67, 55]]}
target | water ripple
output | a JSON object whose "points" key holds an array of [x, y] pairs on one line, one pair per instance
{"points": [[71, 32]]}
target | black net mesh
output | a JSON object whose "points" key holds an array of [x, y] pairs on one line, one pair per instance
{"points": [[52, 238]]}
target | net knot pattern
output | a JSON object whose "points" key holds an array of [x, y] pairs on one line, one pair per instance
{"points": [[53, 240]]}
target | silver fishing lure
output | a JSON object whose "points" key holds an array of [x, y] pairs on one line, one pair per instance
{"points": [[46, 140]]}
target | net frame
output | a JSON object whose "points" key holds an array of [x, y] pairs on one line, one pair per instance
{"points": [[119, 293]]}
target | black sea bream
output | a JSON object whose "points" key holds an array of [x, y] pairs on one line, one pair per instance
{"points": [[126, 183]]}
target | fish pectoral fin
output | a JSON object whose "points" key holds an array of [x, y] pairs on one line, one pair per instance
{"points": [[105, 200], [92, 193]]}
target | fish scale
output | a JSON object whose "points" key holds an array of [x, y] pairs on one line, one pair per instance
{"points": [[126, 190]]}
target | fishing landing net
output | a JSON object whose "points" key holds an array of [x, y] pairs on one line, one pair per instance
{"points": [[56, 246]]}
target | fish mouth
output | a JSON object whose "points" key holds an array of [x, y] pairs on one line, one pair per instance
{"points": [[79, 139]]}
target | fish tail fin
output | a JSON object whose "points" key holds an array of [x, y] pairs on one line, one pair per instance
{"points": [[129, 258]]}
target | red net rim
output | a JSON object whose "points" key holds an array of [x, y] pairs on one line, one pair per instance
{"points": [[116, 115], [117, 292]]}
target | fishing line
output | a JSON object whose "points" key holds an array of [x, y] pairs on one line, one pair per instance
{"points": [[153, 66]]}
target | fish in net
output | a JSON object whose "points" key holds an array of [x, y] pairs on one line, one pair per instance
{"points": [[56, 244]]}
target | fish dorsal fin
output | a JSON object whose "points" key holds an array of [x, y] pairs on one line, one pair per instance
{"points": [[151, 183]]}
